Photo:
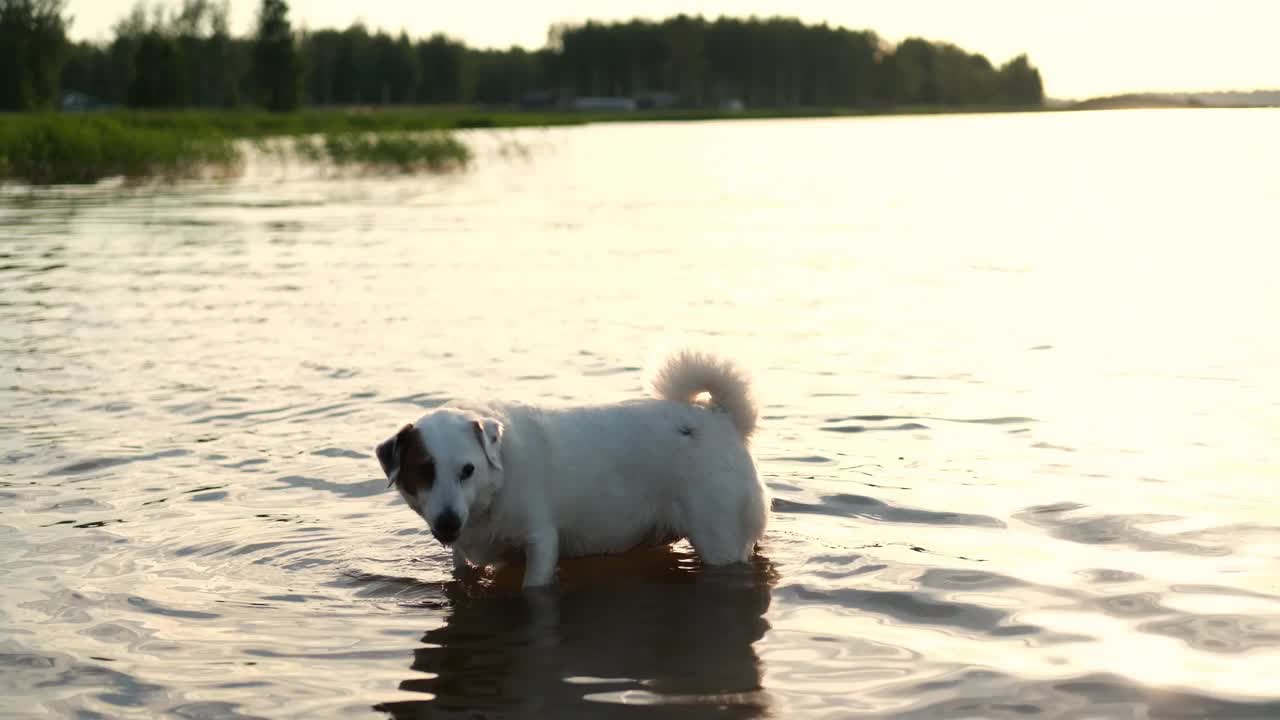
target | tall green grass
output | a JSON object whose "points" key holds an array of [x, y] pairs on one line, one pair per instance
{"points": [[59, 148], [136, 144], [249, 123], [53, 148], [405, 152]]}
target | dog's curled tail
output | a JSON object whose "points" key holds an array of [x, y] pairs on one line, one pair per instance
{"points": [[683, 376]]}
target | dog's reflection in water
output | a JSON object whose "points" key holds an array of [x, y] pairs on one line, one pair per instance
{"points": [[646, 634]]}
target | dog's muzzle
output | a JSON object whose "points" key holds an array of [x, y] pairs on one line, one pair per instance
{"points": [[446, 527]]}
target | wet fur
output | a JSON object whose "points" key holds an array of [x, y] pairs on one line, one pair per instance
{"points": [[591, 480]]}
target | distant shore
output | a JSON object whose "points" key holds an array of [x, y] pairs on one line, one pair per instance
{"points": [[253, 123], [257, 123], [1140, 101], [40, 148], [1137, 101]]}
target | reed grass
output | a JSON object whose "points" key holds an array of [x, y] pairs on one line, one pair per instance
{"points": [[52, 148], [83, 148], [402, 151]]}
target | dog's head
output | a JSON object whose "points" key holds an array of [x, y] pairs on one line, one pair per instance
{"points": [[446, 466]]}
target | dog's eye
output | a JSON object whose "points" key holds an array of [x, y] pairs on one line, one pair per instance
{"points": [[467, 470]]}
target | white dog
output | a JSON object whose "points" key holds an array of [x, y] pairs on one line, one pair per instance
{"points": [[493, 479]]}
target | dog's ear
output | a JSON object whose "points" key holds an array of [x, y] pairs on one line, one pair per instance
{"points": [[489, 434], [388, 453]]}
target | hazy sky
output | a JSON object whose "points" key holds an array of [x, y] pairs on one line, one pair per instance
{"points": [[1082, 47]]}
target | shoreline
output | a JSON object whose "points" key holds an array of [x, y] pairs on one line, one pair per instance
{"points": [[253, 123]]}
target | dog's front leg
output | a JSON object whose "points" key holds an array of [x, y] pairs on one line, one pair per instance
{"points": [[540, 556], [459, 561]]}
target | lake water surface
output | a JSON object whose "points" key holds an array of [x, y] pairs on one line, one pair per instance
{"points": [[1021, 420]]}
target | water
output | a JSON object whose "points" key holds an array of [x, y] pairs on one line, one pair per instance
{"points": [[1020, 424]]}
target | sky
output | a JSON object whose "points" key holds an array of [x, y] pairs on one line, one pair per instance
{"points": [[1083, 47]]}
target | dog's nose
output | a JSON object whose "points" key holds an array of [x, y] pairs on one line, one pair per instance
{"points": [[446, 527]]}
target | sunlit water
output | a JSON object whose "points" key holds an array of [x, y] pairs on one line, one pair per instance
{"points": [[1021, 417]]}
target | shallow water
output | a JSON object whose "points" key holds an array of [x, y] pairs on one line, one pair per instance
{"points": [[1020, 424]]}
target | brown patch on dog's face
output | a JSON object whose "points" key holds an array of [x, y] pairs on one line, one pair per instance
{"points": [[417, 469]]}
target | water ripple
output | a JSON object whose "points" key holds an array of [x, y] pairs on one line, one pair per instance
{"points": [[193, 524], [845, 505]]}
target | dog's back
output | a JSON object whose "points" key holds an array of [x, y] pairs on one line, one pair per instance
{"points": [[612, 477]]}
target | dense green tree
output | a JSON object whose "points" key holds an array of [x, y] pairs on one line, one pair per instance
{"points": [[277, 67], [210, 64], [158, 72], [187, 56], [396, 68], [777, 62], [1019, 82], [339, 66], [159, 59], [915, 79], [499, 77], [88, 70], [440, 62], [33, 48]]}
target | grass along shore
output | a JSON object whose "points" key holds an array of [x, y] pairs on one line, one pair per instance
{"points": [[56, 148], [393, 150], [46, 148]]}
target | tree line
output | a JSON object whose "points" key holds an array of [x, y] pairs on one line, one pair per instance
{"points": [[186, 56]]}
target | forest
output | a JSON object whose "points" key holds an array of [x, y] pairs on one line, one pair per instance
{"points": [[183, 54]]}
